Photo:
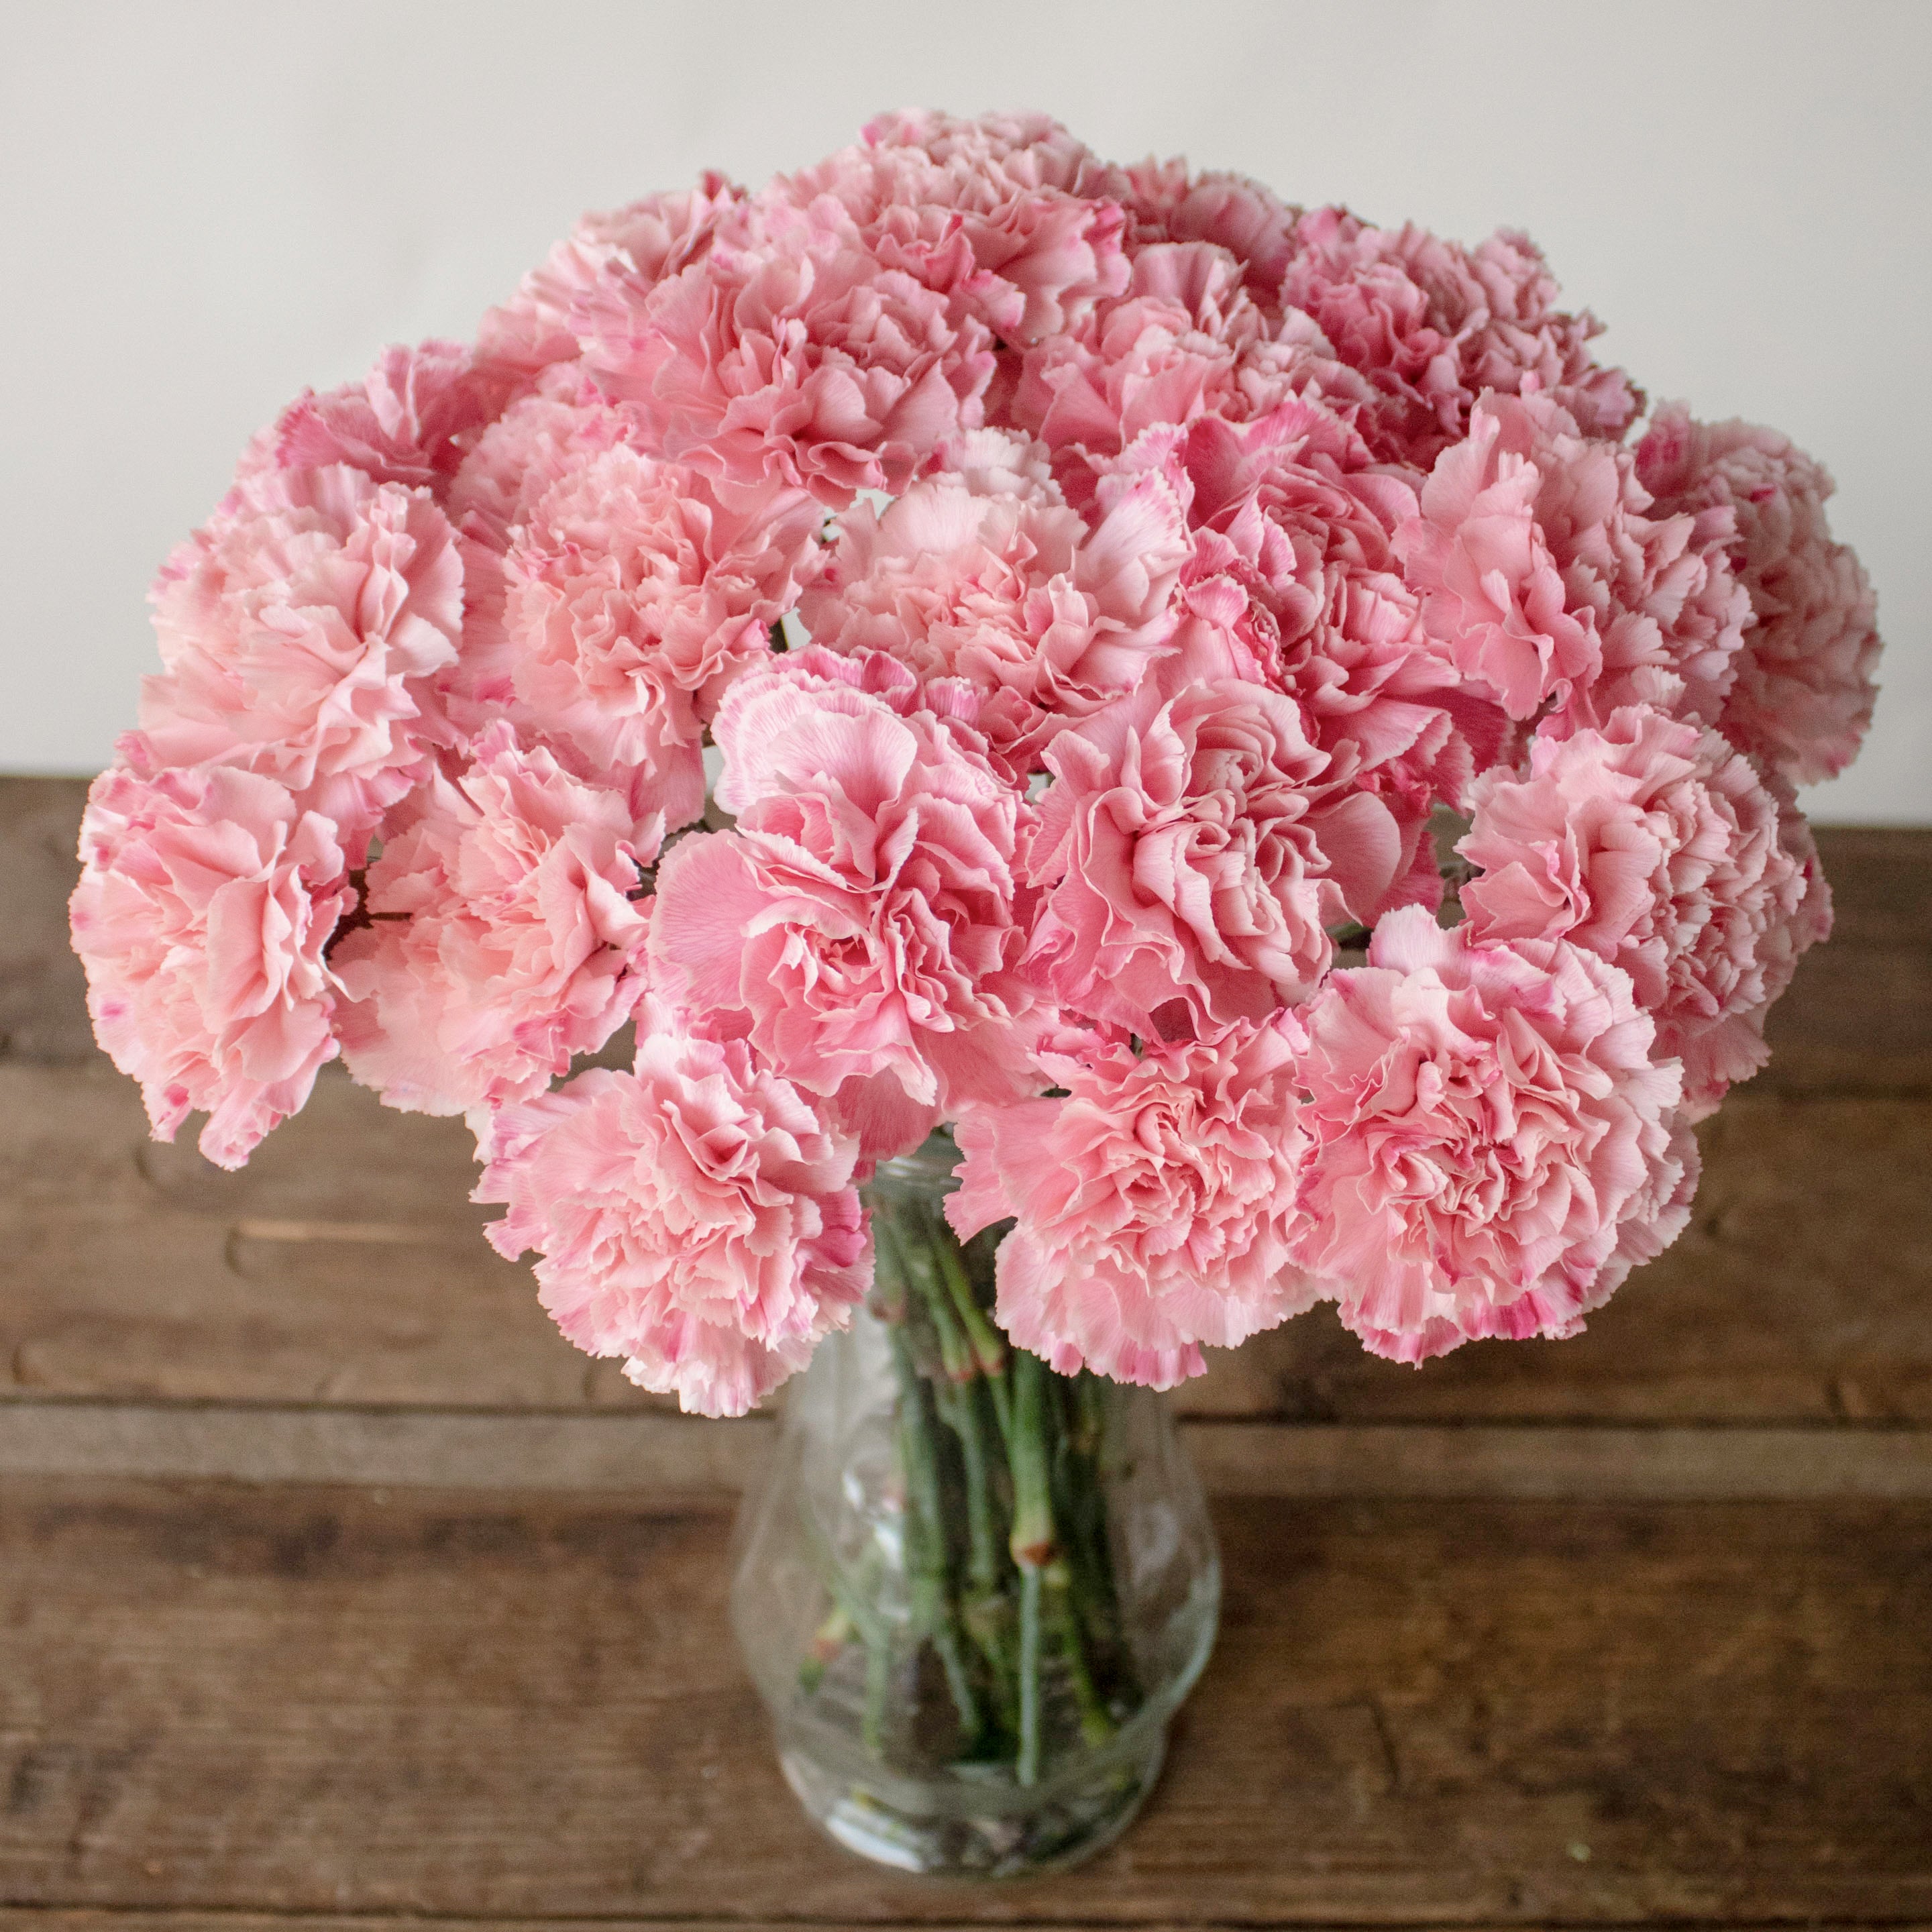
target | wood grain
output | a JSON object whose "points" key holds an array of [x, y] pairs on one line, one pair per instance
{"points": [[296, 1700], [346, 1264]]}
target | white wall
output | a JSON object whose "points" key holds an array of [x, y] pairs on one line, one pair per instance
{"points": [[205, 205]]}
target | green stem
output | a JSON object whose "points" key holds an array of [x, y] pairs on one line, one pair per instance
{"points": [[1026, 1767], [933, 1613], [1033, 1541], [914, 1246], [988, 1346]]}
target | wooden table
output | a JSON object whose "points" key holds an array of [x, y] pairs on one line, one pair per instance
{"points": [[335, 1589]]}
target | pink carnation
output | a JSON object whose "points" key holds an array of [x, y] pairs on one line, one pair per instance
{"points": [[1190, 862], [1432, 325], [1804, 690], [1155, 1201], [791, 355], [636, 246], [859, 923], [1653, 845], [1229, 211], [695, 1216], [303, 634], [1187, 340], [539, 441], [633, 596], [1491, 1146], [205, 901], [504, 938], [981, 213], [1013, 594], [409, 421], [1546, 582], [1293, 583]]}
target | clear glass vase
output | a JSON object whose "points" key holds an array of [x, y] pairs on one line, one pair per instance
{"points": [[972, 1591]]}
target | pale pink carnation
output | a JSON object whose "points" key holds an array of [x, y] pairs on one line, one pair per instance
{"points": [[1432, 325], [1654, 844], [695, 1217], [410, 420], [1294, 583], [1190, 862], [980, 213], [1155, 1201], [1491, 1146], [1013, 594], [1231, 211], [791, 355], [636, 246], [633, 596], [504, 939], [539, 441], [1805, 687], [860, 922], [1546, 582], [303, 635], [1186, 340], [205, 901]]}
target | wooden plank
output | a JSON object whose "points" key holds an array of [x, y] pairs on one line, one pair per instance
{"points": [[292, 1701], [657, 1456], [346, 1264]]}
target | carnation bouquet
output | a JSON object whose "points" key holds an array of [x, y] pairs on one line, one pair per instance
{"points": [[1230, 713]]}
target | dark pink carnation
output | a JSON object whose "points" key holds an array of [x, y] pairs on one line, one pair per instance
{"points": [[206, 899], [1191, 861], [1805, 689], [695, 1216], [1547, 584], [1155, 1200], [1491, 1146], [1654, 845], [790, 355], [860, 922], [1012, 593], [304, 631], [1432, 325]]}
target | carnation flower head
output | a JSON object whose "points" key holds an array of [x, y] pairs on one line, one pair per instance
{"points": [[205, 901], [411, 420], [1186, 340], [1011, 592], [791, 355], [632, 597], [1491, 1145], [1155, 1199], [504, 938], [1546, 583], [1246, 217], [859, 924], [695, 1217], [982, 213], [634, 247], [1190, 862], [303, 632], [1293, 583], [1804, 688], [1432, 325], [1654, 844]]}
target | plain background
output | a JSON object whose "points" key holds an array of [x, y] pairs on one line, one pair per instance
{"points": [[206, 206]]}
